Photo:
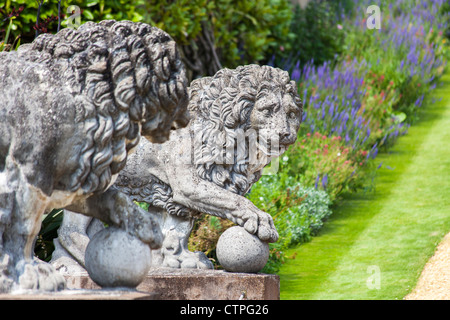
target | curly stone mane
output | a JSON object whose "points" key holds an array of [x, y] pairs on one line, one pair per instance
{"points": [[221, 106], [126, 78]]}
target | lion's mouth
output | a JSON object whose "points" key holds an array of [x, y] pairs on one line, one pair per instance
{"points": [[270, 150], [287, 141], [274, 146]]}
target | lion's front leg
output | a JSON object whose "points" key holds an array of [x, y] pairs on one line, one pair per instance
{"points": [[21, 208], [115, 208], [207, 197], [174, 252], [256, 222], [235, 208]]}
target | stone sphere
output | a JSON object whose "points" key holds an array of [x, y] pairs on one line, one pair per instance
{"points": [[239, 251], [114, 258]]}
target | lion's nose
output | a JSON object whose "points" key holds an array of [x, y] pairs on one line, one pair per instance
{"points": [[284, 135], [287, 138]]}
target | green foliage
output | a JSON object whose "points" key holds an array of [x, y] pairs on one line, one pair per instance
{"points": [[404, 57], [316, 33], [181, 19], [91, 10], [44, 244], [244, 31], [97, 10], [298, 212], [235, 31], [206, 233], [326, 163]]}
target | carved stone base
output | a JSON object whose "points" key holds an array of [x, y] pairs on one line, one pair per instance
{"points": [[82, 295], [195, 284]]}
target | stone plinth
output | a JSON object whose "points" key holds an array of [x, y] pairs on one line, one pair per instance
{"points": [[195, 284], [82, 295]]}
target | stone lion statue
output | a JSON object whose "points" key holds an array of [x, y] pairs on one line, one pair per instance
{"points": [[239, 121], [73, 106]]}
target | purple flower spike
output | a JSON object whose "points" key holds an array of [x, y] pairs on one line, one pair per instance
{"points": [[296, 72], [347, 138], [325, 181]]}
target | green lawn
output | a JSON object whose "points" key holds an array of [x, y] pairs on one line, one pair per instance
{"points": [[376, 243]]}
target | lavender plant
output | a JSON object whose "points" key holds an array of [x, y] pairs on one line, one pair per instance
{"points": [[359, 102], [369, 96]]}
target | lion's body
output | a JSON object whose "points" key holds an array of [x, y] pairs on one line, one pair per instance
{"points": [[39, 144], [207, 167], [73, 106]]}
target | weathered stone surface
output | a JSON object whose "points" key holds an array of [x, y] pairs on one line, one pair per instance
{"points": [[114, 258], [195, 284], [211, 285], [74, 104], [240, 120], [239, 251], [82, 295]]}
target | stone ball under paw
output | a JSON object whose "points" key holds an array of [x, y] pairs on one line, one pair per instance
{"points": [[239, 251], [114, 258]]}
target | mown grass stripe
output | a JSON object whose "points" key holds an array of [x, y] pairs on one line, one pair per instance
{"points": [[394, 229]]}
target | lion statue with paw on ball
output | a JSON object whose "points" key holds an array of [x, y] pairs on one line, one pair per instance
{"points": [[240, 120], [73, 106]]}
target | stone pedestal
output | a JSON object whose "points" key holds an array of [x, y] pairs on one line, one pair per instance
{"points": [[195, 284], [82, 295]]}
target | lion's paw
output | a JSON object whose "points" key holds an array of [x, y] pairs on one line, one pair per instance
{"points": [[39, 275], [261, 224], [187, 260], [145, 227]]}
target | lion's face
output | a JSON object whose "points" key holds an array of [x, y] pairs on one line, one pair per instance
{"points": [[276, 115], [242, 119]]}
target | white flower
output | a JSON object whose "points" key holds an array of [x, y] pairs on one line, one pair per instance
{"points": [[339, 154], [285, 158]]}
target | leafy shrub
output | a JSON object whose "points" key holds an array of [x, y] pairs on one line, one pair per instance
{"points": [[205, 235], [222, 33], [24, 24], [44, 246], [367, 97], [316, 33], [326, 163], [312, 212], [298, 212], [211, 34]]}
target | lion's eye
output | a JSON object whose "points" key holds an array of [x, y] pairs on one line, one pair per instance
{"points": [[292, 115], [266, 112]]}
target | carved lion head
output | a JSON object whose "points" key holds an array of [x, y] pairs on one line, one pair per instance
{"points": [[241, 119]]}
